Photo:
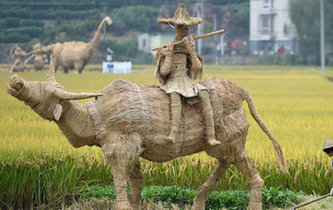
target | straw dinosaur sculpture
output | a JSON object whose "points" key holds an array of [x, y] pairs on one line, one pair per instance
{"points": [[18, 53], [128, 121], [74, 55], [39, 58]]}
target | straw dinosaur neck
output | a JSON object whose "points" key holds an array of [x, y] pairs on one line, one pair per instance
{"points": [[94, 43], [76, 124]]}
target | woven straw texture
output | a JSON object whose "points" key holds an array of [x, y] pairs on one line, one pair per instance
{"points": [[129, 108]]}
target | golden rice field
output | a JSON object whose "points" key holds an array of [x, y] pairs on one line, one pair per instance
{"points": [[296, 103]]}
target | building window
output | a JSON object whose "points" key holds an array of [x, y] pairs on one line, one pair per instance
{"points": [[266, 4], [267, 23]]}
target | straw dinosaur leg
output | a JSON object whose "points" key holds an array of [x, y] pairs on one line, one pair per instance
{"points": [[176, 109], [208, 116], [204, 190], [136, 184], [254, 180]]}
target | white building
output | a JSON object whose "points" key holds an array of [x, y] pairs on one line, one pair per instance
{"points": [[147, 42], [270, 27]]}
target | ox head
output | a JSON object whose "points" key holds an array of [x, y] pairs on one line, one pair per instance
{"points": [[44, 97]]}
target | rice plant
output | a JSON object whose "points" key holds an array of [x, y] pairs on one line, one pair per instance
{"points": [[294, 102]]}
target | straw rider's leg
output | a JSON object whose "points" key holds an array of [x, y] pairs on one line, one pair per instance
{"points": [[208, 116], [176, 109], [13, 68]]}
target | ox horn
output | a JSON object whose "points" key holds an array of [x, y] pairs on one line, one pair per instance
{"points": [[75, 96], [51, 74], [64, 94]]}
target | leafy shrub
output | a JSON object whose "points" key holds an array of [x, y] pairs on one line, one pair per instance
{"points": [[13, 22], [97, 192], [3, 24], [3, 38], [37, 23], [23, 12], [32, 31], [169, 195], [12, 37], [137, 18], [276, 197], [7, 12]]}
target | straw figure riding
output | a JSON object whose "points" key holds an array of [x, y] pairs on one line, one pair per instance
{"points": [[18, 53], [130, 121], [39, 58], [178, 65]]}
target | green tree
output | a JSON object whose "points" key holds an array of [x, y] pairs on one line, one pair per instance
{"points": [[305, 16], [137, 18], [243, 12]]}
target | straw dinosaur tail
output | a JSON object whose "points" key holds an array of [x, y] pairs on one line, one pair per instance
{"points": [[262, 125]]}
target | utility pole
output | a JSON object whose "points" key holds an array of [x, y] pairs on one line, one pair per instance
{"points": [[200, 26], [215, 41], [322, 37], [222, 42]]}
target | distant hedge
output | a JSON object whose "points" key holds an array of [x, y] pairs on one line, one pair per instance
{"points": [[37, 23], [21, 35]]}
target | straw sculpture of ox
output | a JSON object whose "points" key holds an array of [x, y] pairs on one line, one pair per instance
{"points": [[128, 121]]}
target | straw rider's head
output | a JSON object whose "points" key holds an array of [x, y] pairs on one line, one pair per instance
{"points": [[181, 20], [328, 148]]}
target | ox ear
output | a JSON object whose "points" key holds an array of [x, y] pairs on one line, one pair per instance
{"points": [[57, 111]]}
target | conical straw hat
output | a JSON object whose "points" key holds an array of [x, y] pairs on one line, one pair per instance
{"points": [[328, 144], [181, 17]]}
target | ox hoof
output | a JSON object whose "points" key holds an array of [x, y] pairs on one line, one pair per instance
{"points": [[254, 206], [123, 206]]}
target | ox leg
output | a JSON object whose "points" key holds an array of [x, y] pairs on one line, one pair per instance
{"points": [[122, 151], [204, 190], [136, 184], [254, 180], [119, 177]]}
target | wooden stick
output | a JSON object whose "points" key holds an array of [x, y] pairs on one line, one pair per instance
{"points": [[195, 38], [314, 200]]}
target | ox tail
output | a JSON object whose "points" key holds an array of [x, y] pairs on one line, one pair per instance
{"points": [[255, 115]]}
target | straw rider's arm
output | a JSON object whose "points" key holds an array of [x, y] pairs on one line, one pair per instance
{"points": [[190, 46], [166, 64], [27, 60]]}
